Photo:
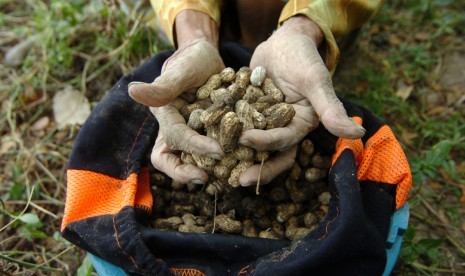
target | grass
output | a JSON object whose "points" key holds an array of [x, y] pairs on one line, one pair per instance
{"points": [[400, 59]]}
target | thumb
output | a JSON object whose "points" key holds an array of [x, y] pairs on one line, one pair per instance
{"points": [[161, 91], [188, 68]]}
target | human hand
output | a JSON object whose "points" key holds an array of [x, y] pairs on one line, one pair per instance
{"points": [[186, 70], [196, 59], [168, 161], [291, 59]]}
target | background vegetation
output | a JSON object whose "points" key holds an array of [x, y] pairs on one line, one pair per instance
{"points": [[407, 66]]}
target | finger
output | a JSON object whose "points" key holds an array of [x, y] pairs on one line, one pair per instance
{"points": [[179, 136], [165, 160], [164, 89], [279, 163], [304, 121], [330, 109]]}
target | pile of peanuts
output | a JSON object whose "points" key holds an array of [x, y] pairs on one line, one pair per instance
{"points": [[287, 208], [228, 104]]}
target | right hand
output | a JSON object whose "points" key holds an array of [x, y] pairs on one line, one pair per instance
{"points": [[186, 70]]}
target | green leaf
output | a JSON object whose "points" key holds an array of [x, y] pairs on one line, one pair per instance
{"points": [[18, 191], [429, 248], [31, 233], [86, 267], [408, 253], [439, 153], [32, 220], [442, 3], [410, 233]]}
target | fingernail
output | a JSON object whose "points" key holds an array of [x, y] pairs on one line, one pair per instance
{"points": [[135, 83], [197, 181], [214, 156], [244, 142], [360, 127]]}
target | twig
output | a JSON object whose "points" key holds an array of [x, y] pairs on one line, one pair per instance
{"points": [[22, 202], [55, 257], [84, 77], [45, 170], [214, 214], [457, 244], [44, 210], [259, 176], [448, 236], [29, 265], [22, 212], [431, 269]]}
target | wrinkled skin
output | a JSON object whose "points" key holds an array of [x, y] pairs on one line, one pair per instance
{"points": [[188, 68], [292, 60]]}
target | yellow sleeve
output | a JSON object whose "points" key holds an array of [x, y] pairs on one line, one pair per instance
{"points": [[168, 9], [334, 17]]}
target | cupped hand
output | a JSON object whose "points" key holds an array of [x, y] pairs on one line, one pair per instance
{"points": [[279, 162], [291, 58], [187, 69], [168, 161]]}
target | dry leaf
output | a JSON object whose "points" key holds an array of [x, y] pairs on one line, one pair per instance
{"points": [[443, 217], [70, 107], [394, 40], [422, 36], [436, 185], [404, 92], [16, 54], [40, 124], [462, 197], [7, 143], [436, 110], [362, 86], [408, 136], [375, 29]]}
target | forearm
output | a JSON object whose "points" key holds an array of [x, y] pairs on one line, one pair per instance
{"points": [[168, 10], [191, 25], [334, 17], [303, 25]]}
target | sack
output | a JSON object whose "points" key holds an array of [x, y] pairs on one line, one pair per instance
{"points": [[109, 198]]}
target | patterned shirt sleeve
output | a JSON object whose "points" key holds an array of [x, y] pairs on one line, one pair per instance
{"points": [[168, 9], [334, 17]]}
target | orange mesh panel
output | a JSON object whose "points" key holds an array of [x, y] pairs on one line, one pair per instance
{"points": [[381, 160], [385, 161], [187, 272], [92, 194], [144, 199], [355, 145]]}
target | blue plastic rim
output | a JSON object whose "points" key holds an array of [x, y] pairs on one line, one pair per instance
{"points": [[397, 228]]}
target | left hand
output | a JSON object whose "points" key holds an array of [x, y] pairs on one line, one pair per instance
{"points": [[291, 58]]}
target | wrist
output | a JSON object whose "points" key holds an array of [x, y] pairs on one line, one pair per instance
{"points": [[303, 25], [192, 25]]}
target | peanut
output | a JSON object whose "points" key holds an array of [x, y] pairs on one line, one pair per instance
{"points": [[228, 225], [229, 131], [212, 83], [258, 76], [226, 105], [227, 75], [252, 94]]}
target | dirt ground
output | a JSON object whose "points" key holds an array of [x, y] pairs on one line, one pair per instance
{"points": [[407, 66]]}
